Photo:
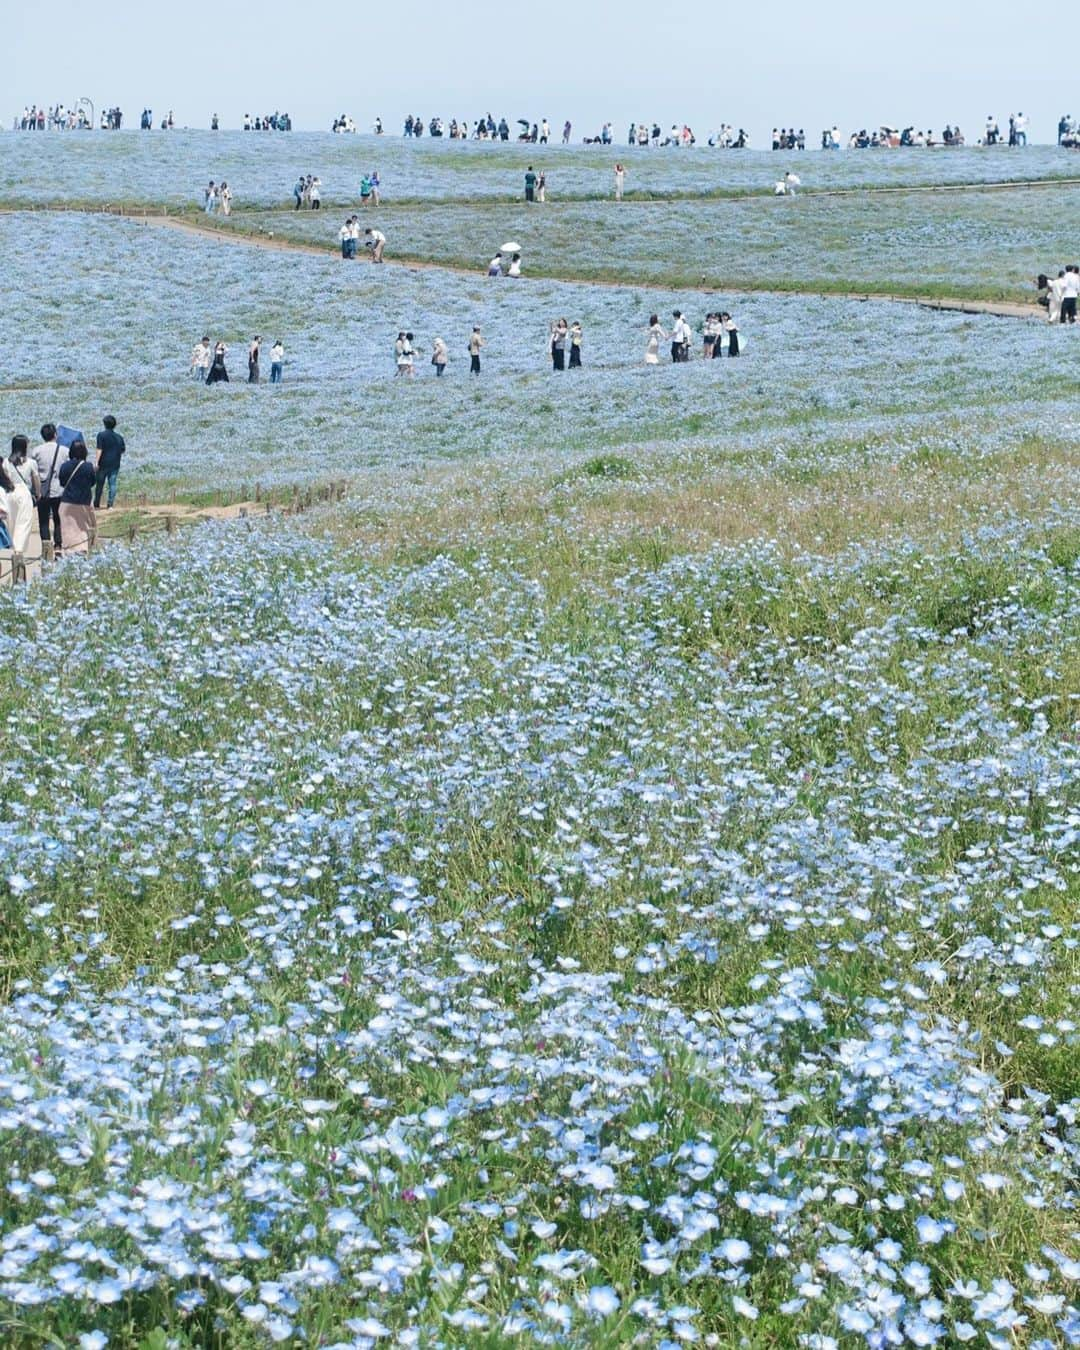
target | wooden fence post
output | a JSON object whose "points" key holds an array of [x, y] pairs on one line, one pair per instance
{"points": [[170, 524]]}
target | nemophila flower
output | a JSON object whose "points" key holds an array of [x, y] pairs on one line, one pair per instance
{"points": [[930, 1231], [601, 1301], [734, 1251]]}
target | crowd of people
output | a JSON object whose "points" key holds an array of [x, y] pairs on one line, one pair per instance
{"points": [[1059, 294], [217, 196], [307, 193], [50, 493], [892, 138], [506, 263], [483, 129], [351, 234], [720, 337], [275, 121], [1068, 132], [208, 361], [146, 121], [57, 118]]}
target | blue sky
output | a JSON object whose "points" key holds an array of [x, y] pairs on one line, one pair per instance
{"points": [[757, 65]]}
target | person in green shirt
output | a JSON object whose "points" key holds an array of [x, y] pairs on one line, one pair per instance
{"points": [[530, 184]]}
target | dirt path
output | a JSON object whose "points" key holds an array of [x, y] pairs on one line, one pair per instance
{"points": [[1000, 308], [1005, 309]]}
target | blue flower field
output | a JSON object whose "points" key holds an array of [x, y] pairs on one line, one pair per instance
{"points": [[612, 879]]}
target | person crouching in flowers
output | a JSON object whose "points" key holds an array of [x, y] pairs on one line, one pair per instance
{"points": [[78, 523]]}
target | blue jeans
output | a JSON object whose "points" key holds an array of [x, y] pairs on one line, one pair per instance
{"points": [[106, 476], [275, 372]]}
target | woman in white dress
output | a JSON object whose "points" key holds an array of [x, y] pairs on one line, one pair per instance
{"points": [[656, 336], [20, 514], [17, 516]]}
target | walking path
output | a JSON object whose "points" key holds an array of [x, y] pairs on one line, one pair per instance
{"points": [[1006, 309], [1001, 308]]}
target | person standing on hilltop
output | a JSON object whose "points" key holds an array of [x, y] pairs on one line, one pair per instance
{"points": [[530, 184]]}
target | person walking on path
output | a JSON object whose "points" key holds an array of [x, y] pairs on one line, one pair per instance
{"points": [[476, 342], [226, 199], [23, 468], [110, 448], [47, 458], [77, 519], [656, 336], [558, 345], [376, 241], [620, 180], [253, 359], [575, 345], [541, 186], [530, 184], [316, 193], [438, 356], [17, 503], [277, 360], [218, 374], [210, 198], [298, 192]]}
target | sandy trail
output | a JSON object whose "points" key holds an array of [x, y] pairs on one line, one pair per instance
{"points": [[1006, 309]]}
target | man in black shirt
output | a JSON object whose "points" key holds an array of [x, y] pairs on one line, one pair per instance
{"points": [[110, 447]]}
